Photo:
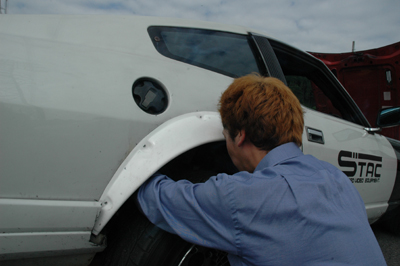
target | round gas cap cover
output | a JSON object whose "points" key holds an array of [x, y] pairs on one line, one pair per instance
{"points": [[150, 95]]}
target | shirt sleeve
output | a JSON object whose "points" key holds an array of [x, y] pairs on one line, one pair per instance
{"points": [[200, 213]]}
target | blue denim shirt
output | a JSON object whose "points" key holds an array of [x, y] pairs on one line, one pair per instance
{"points": [[293, 210]]}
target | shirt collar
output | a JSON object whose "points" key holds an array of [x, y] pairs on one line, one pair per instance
{"points": [[278, 155]]}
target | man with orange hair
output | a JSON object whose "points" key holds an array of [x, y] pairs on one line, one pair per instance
{"points": [[283, 207], [260, 112]]}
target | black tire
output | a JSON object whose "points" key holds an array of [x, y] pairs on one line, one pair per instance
{"points": [[137, 242]]}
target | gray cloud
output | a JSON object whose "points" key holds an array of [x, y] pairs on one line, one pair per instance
{"points": [[312, 25]]}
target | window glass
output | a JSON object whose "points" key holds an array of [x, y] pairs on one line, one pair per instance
{"points": [[302, 87], [225, 53], [311, 96], [314, 86]]}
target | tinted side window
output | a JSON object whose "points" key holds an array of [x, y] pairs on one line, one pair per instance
{"points": [[225, 53], [311, 96], [314, 85]]}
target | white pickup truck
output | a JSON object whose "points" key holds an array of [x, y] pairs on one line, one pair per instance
{"points": [[92, 106]]}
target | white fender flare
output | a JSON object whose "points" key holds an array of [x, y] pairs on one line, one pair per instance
{"points": [[163, 144]]}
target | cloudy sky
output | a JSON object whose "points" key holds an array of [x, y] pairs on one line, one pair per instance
{"points": [[328, 26]]}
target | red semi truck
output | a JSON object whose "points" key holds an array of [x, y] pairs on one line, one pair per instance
{"points": [[371, 77]]}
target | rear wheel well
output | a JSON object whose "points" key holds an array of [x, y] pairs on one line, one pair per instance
{"points": [[196, 165]]}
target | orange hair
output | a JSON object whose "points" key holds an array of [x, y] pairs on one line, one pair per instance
{"points": [[265, 108]]}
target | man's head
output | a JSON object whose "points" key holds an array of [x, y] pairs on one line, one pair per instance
{"points": [[265, 108]]}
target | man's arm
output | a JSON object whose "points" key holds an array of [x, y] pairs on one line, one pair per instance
{"points": [[199, 213]]}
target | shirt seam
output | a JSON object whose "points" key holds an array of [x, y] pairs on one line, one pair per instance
{"points": [[234, 212]]}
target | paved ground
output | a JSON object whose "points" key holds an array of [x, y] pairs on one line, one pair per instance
{"points": [[390, 245]]}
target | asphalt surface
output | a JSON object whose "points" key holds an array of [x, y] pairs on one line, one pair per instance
{"points": [[390, 245]]}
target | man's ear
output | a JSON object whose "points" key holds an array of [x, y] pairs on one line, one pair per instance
{"points": [[240, 138]]}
